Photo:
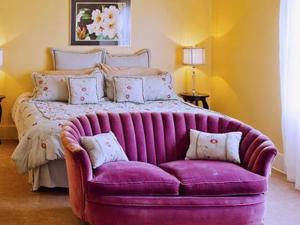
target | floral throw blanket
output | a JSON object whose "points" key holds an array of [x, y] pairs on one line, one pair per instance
{"points": [[39, 124]]}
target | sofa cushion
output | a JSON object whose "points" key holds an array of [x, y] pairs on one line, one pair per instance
{"points": [[215, 178], [132, 178]]}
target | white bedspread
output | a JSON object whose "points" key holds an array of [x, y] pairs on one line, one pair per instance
{"points": [[39, 124]]}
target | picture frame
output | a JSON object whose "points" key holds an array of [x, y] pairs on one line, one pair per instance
{"points": [[101, 22]]}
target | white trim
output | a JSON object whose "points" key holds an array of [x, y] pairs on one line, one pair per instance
{"points": [[278, 163]]}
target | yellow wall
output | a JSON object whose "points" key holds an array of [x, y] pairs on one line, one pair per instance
{"points": [[28, 29], [245, 63]]}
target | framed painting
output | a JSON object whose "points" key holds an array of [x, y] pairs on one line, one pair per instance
{"points": [[100, 22]]}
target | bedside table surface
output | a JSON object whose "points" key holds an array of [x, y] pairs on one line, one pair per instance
{"points": [[197, 94]]}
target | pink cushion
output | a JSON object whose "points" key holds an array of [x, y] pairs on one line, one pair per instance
{"points": [[132, 178], [215, 178]]}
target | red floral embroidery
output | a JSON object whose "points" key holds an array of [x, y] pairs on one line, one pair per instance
{"points": [[108, 144], [129, 87], [45, 88], [40, 82], [82, 99], [164, 79], [83, 89], [127, 96], [214, 141], [44, 146]]}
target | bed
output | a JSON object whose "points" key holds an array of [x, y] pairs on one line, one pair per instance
{"points": [[40, 153]]}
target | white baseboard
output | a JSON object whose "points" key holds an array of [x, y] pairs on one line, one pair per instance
{"points": [[278, 163], [8, 132]]}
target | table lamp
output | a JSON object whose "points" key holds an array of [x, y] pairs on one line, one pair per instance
{"points": [[193, 57]]}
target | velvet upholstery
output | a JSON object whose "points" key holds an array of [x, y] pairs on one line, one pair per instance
{"points": [[215, 178], [132, 178], [159, 139]]}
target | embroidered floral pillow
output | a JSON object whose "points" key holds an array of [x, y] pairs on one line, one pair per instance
{"points": [[158, 88], [214, 146], [50, 88], [83, 90], [129, 89], [103, 148]]}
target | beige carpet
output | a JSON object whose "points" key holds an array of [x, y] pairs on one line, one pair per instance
{"points": [[18, 205]]}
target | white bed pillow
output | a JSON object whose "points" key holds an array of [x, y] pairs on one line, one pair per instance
{"points": [[69, 60], [129, 89], [111, 72], [54, 87], [83, 90], [159, 88], [214, 146], [138, 59], [103, 148], [50, 88]]}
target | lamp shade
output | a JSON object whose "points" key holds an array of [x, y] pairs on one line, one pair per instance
{"points": [[193, 56], [1, 57]]}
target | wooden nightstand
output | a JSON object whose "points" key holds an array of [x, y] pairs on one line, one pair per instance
{"points": [[1, 98], [194, 99]]}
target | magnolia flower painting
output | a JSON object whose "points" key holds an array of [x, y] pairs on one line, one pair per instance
{"points": [[100, 22]]}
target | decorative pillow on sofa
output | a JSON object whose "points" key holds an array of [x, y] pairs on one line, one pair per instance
{"points": [[111, 72], [214, 146], [138, 59], [83, 90], [69, 60], [159, 88], [129, 89], [103, 148], [54, 88]]}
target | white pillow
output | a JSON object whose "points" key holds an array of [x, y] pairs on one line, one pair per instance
{"points": [[54, 87], [49, 88], [138, 59], [103, 148], [83, 90], [129, 89], [159, 88], [214, 146], [69, 60]]}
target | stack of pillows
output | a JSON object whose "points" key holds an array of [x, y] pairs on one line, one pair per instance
{"points": [[87, 78]]}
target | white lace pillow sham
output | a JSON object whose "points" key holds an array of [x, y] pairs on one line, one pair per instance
{"points": [[54, 87], [69, 60], [111, 72], [129, 89], [138, 59], [211, 146], [159, 88], [103, 148], [83, 90]]}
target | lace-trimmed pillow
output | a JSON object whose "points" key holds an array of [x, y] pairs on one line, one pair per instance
{"points": [[54, 88], [214, 146], [129, 89], [103, 148], [159, 88], [83, 90]]}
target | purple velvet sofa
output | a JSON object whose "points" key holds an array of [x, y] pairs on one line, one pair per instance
{"points": [[157, 186]]}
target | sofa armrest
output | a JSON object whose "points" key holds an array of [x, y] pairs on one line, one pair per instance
{"points": [[79, 172], [259, 154], [262, 164]]}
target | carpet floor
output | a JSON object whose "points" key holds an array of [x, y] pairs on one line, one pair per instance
{"points": [[19, 205]]}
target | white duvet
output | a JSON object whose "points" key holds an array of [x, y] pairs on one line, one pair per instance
{"points": [[39, 124]]}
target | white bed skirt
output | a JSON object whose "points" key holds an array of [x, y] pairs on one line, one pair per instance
{"points": [[51, 175]]}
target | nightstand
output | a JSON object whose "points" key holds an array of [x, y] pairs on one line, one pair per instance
{"points": [[1, 98], [195, 98]]}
